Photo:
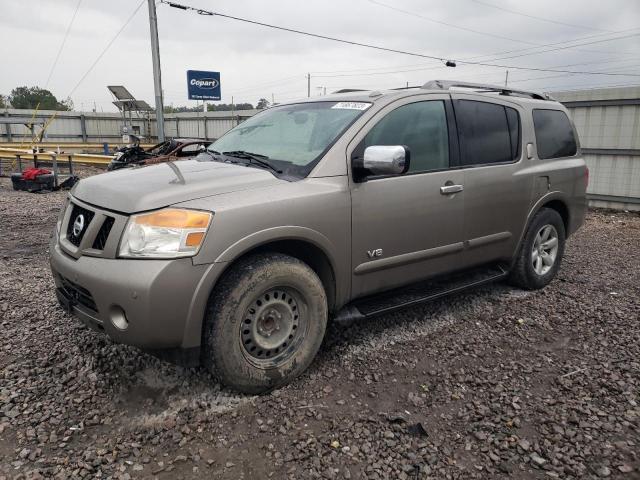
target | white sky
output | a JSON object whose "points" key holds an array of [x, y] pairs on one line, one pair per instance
{"points": [[257, 62]]}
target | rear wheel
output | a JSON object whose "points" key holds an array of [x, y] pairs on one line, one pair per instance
{"points": [[265, 322], [541, 251]]}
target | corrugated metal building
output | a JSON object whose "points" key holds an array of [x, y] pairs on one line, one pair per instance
{"points": [[106, 127], [608, 122]]}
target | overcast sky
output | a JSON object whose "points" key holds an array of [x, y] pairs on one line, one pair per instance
{"points": [[260, 62]]}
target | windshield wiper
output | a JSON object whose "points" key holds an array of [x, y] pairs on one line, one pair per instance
{"points": [[253, 158], [212, 153]]}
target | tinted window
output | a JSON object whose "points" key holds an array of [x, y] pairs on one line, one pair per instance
{"points": [[421, 126], [489, 133], [554, 135]]}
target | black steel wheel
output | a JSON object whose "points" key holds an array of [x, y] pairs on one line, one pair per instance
{"points": [[273, 329], [265, 322]]}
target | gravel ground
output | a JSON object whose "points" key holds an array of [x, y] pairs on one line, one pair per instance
{"points": [[496, 383]]}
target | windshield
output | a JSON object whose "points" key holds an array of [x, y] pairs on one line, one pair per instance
{"points": [[292, 137]]}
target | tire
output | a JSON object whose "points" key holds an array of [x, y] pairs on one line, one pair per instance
{"points": [[535, 265], [265, 322]]}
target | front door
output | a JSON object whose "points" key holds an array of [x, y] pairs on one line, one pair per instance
{"points": [[408, 227]]}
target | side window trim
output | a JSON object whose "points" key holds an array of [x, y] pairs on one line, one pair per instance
{"points": [[452, 131], [573, 133], [452, 127], [460, 134]]}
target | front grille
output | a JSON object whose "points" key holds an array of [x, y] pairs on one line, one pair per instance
{"points": [[87, 216], [103, 234], [78, 294]]}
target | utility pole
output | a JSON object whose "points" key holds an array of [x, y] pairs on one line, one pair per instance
{"points": [[506, 79], [308, 84], [233, 110], [157, 80]]}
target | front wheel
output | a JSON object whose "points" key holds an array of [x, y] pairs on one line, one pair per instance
{"points": [[541, 251], [265, 323]]}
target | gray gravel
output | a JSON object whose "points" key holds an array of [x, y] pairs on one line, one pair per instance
{"points": [[497, 383]]}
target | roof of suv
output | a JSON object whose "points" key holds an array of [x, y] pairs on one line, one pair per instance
{"points": [[435, 86]]}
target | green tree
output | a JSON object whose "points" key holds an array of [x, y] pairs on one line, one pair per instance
{"points": [[181, 109], [211, 107], [262, 104], [227, 107], [3, 102], [30, 97]]}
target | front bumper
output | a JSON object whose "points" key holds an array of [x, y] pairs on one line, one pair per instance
{"points": [[163, 301]]}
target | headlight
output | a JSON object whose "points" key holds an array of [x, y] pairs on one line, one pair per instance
{"points": [[167, 233]]}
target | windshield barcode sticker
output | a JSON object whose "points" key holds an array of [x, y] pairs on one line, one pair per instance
{"points": [[352, 105]]}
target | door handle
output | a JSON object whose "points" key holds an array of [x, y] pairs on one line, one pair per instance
{"points": [[450, 189]]}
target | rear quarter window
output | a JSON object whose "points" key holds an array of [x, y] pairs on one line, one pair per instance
{"points": [[554, 134]]}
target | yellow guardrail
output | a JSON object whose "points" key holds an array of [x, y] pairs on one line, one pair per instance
{"points": [[53, 146], [81, 158]]}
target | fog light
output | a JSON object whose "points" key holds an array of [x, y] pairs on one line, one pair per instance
{"points": [[118, 318]]}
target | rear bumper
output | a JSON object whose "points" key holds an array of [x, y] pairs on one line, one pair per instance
{"points": [[163, 301]]}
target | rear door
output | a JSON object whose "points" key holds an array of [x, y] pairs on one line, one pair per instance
{"points": [[497, 186], [404, 228]]}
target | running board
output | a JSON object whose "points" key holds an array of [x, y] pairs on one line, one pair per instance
{"points": [[418, 293]]}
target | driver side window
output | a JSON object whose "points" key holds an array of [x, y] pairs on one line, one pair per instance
{"points": [[420, 126]]}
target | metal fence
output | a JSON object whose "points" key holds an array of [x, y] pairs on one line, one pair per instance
{"points": [[107, 127], [608, 123]]}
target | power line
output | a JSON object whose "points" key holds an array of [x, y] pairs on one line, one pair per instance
{"points": [[418, 15], [565, 47], [598, 62], [64, 41], [392, 50], [431, 67], [488, 56], [450, 25], [293, 30], [133, 14], [514, 12], [564, 42]]}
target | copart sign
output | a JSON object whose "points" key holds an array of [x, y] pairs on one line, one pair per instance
{"points": [[203, 85]]}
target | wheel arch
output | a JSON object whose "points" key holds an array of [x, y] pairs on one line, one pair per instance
{"points": [[306, 252], [555, 201], [562, 209], [307, 245]]}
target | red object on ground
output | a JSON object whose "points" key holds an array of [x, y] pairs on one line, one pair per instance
{"points": [[32, 173]]}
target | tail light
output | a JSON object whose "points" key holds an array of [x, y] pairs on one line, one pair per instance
{"points": [[586, 177]]}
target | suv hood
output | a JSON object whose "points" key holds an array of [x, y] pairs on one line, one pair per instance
{"points": [[134, 190]]}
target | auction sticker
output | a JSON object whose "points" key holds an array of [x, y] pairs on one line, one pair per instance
{"points": [[352, 105]]}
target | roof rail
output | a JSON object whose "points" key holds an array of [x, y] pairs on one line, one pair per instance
{"points": [[448, 84], [350, 90]]}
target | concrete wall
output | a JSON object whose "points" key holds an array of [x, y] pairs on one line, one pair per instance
{"points": [[608, 122]]}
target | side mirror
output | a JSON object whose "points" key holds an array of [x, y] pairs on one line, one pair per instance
{"points": [[386, 159]]}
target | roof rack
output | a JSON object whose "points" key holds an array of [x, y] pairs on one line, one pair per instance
{"points": [[350, 90], [448, 84]]}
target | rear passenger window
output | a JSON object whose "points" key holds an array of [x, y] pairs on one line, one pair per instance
{"points": [[554, 135], [489, 133], [421, 126]]}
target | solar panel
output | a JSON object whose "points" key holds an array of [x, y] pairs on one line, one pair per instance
{"points": [[120, 92], [142, 106]]}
